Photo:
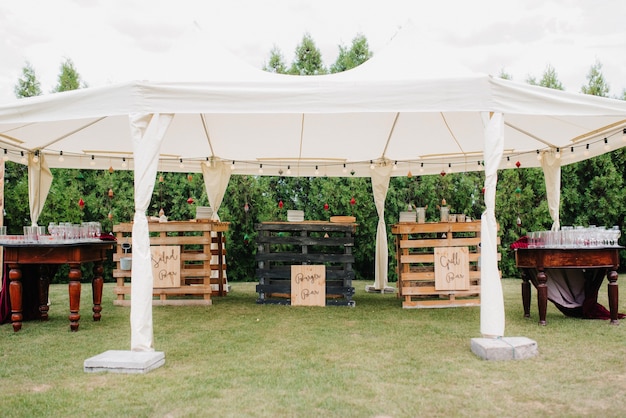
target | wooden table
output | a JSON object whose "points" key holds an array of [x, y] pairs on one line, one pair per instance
{"points": [[606, 259], [49, 256]]}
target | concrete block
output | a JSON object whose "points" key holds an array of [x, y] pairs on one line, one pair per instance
{"points": [[505, 348], [119, 361]]}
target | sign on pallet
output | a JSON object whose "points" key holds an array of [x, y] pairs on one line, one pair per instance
{"points": [[452, 268], [308, 285], [165, 265]]}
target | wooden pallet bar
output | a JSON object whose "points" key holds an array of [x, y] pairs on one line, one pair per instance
{"points": [[417, 266], [202, 252], [283, 244]]}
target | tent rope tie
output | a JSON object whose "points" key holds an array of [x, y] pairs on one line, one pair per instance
{"points": [[512, 346]]}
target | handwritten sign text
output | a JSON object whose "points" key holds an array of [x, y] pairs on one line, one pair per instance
{"points": [[451, 268], [308, 285], [165, 260]]}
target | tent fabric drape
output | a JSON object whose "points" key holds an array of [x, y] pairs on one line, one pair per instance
{"points": [[147, 132], [492, 302], [380, 184], [216, 177], [551, 166], [39, 182]]}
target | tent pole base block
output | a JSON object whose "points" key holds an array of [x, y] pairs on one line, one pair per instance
{"points": [[386, 289], [119, 361], [505, 348]]}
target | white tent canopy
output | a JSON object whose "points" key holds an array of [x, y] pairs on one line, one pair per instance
{"points": [[357, 121]]}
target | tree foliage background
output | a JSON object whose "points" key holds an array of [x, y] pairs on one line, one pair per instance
{"points": [[592, 192]]}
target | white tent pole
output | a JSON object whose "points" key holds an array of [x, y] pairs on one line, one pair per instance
{"points": [[492, 299], [380, 184], [147, 132], [551, 166], [39, 182]]}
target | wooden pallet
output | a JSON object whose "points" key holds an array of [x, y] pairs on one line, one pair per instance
{"points": [[201, 244], [283, 244], [415, 248]]}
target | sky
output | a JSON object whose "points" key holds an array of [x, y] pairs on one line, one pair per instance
{"points": [[104, 37]]}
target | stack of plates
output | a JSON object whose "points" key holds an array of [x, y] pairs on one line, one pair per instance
{"points": [[295, 215], [408, 216], [204, 212]]}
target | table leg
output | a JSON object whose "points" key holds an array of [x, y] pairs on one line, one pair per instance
{"points": [[44, 285], [74, 288], [526, 294], [96, 288], [15, 293], [613, 296], [542, 295]]}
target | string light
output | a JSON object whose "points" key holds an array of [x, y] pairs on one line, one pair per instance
{"points": [[93, 161], [36, 157], [538, 156], [232, 166], [345, 169], [260, 168], [5, 157], [607, 147], [61, 159], [316, 171], [288, 170], [22, 158], [558, 153], [449, 170], [624, 135], [508, 161], [395, 166], [586, 153], [421, 167], [123, 162], [371, 165]]}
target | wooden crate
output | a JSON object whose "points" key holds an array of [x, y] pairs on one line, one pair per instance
{"points": [[202, 251], [283, 244], [415, 263]]}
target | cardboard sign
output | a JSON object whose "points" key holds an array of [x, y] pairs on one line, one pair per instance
{"points": [[308, 285], [451, 268], [165, 265]]}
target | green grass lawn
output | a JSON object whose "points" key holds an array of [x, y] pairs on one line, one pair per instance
{"points": [[236, 358]]}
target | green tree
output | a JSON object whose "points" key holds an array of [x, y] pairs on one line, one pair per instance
{"points": [[352, 57], [596, 85], [550, 79], [504, 75], [308, 58], [276, 63], [27, 85], [68, 79]]}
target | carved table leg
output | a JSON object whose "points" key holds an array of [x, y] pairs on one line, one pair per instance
{"points": [[96, 288], [44, 285], [74, 289], [542, 295], [525, 294], [15, 293], [613, 296]]}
